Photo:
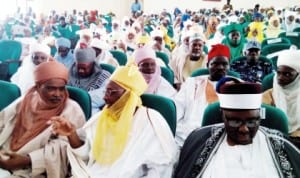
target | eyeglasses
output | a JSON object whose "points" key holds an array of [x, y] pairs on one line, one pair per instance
{"points": [[238, 123], [112, 92]]}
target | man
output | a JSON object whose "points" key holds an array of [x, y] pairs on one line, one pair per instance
{"points": [[183, 67], [123, 133], [251, 68], [135, 7], [146, 60], [24, 76], [158, 42], [28, 146], [239, 147], [87, 75], [234, 39], [285, 93], [103, 55], [64, 55], [197, 92]]}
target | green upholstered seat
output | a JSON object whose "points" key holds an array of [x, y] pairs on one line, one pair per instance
{"points": [[119, 56], [83, 98], [279, 40], [163, 56], [108, 67], [274, 118], [167, 74], [267, 82], [272, 48], [164, 106], [206, 72], [8, 93], [294, 37], [10, 52]]}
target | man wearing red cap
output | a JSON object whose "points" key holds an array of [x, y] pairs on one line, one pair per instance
{"points": [[29, 148], [197, 92]]}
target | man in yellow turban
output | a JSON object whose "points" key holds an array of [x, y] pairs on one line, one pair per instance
{"points": [[28, 144], [125, 139]]}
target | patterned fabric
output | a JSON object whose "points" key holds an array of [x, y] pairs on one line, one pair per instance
{"points": [[252, 73], [278, 145], [90, 83]]}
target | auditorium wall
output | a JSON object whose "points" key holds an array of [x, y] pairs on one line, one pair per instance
{"points": [[122, 7]]}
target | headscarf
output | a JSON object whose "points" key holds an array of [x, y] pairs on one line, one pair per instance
{"points": [[114, 123], [287, 98], [259, 27], [153, 79], [272, 31], [210, 31], [34, 112]]}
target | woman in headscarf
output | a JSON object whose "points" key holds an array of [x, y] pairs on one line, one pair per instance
{"points": [[273, 28]]}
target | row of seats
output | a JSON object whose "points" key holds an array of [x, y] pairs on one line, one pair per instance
{"points": [[272, 117]]}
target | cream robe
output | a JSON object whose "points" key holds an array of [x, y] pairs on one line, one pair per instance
{"points": [[177, 65], [190, 103], [165, 89], [46, 151], [150, 152]]}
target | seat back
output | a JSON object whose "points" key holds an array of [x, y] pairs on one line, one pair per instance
{"points": [[164, 106], [9, 93], [294, 37], [119, 56], [267, 82], [279, 40], [202, 71], [163, 56], [296, 29], [272, 48], [108, 67], [274, 118], [10, 51], [83, 98], [167, 74]]}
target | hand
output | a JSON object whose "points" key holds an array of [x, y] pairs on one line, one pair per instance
{"points": [[14, 161], [62, 126]]}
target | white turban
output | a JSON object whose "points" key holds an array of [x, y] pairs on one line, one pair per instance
{"points": [[37, 47], [290, 58]]}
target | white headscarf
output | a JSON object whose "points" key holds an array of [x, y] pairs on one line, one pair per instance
{"points": [[287, 98]]}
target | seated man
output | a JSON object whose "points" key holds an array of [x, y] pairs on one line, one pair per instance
{"points": [[24, 76], [124, 139], [197, 92], [87, 75], [194, 59], [234, 39], [28, 146], [251, 68], [103, 55], [147, 62], [285, 93], [239, 147], [64, 54]]}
